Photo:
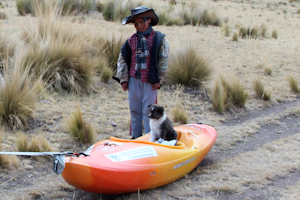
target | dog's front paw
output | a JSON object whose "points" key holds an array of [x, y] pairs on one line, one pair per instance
{"points": [[160, 140]]}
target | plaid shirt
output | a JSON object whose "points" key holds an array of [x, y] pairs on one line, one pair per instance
{"points": [[162, 66], [133, 40]]}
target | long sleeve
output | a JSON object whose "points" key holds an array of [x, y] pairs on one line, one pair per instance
{"points": [[122, 69], [163, 56]]}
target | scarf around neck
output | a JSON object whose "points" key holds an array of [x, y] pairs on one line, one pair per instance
{"points": [[142, 49]]}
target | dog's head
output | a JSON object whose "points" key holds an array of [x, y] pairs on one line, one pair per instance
{"points": [[156, 111]]}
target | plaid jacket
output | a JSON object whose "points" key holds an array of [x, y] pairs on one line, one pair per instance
{"points": [[157, 62]]}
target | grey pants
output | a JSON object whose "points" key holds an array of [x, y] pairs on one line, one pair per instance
{"points": [[140, 96]]}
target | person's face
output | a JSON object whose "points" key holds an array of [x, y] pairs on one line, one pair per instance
{"points": [[142, 25]]}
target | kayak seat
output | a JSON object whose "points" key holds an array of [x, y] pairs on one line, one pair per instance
{"points": [[186, 138]]}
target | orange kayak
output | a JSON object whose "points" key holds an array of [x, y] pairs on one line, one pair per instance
{"points": [[118, 166]]}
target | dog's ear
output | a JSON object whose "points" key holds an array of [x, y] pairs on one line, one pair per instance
{"points": [[161, 109]]}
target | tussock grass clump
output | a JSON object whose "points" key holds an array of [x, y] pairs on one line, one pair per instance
{"points": [[226, 94], [172, 2], [274, 34], [179, 115], [58, 52], [79, 129], [7, 49], [116, 10], [210, 18], [235, 37], [264, 30], [17, 97], [110, 49], [106, 74], [255, 32], [25, 7], [75, 6], [3, 15], [187, 67], [260, 90], [268, 70], [293, 85], [36, 144], [226, 30], [22, 142], [236, 93], [243, 32], [219, 97]]}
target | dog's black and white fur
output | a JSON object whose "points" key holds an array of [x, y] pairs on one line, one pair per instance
{"points": [[161, 127]]}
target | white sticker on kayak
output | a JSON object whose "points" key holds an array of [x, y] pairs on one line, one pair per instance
{"points": [[132, 154]]}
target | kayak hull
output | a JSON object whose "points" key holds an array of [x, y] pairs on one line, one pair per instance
{"points": [[118, 166]]}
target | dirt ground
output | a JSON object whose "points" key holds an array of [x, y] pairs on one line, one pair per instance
{"points": [[256, 154]]}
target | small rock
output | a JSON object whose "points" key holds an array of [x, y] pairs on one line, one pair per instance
{"points": [[114, 124]]}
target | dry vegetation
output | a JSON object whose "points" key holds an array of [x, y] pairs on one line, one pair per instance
{"points": [[62, 55]]}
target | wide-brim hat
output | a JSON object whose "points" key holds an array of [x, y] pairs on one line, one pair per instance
{"points": [[141, 12]]}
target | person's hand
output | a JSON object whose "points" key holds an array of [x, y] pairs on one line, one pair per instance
{"points": [[156, 86], [125, 86]]}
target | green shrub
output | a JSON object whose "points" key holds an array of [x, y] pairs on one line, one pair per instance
{"points": [[187, 67], [260, 90], [293, 85], [79, 129], [274, 34]]}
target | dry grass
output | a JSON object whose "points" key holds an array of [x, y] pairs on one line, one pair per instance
{"points": [[7, 49], [293, 85], [268, 70], [18, 96], [226, 30], [260, 90], [187, 67], [25, 7], [225, 94], [57, 52], [246, 172], [179, 115], [109, 49], [80, 130], [235, 37], [219, 97], [68, 7], [275, 34]]}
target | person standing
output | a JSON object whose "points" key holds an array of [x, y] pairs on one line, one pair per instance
{"points": [[142, 65]]}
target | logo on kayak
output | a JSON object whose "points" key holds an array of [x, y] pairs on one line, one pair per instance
{"points": [[132, 154], [184, 163]]}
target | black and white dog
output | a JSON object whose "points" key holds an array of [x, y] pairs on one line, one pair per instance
{"points": [[161, 127]]}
